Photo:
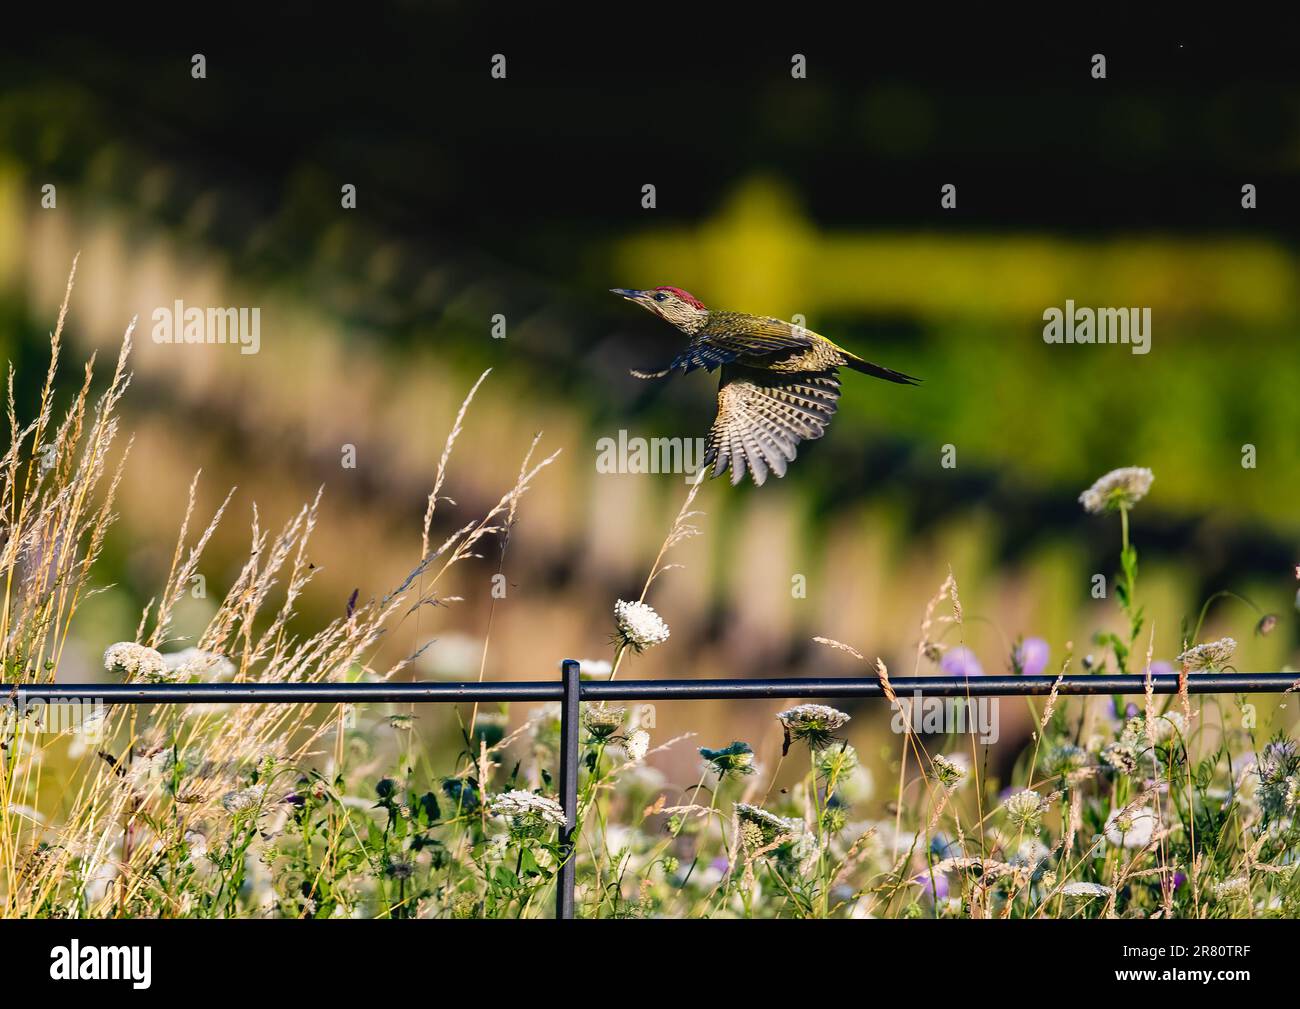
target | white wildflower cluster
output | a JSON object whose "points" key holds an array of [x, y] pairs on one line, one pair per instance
{"points": [[1086, 891], [1131, 828], [812, 722], [639, 626], [1065, 760], [637, 745], [197, 664], [244, 801], [595, 668], [1167, 727], [1276, 777], [1232, 889], [1211, 656], [530, 815], [1025, 809], [1120, 488], [1133, 751], [759, 828], [950, 771], [517, 802], [138, 662], [805, 716]]}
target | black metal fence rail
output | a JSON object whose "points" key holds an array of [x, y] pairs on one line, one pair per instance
{"points": [[571, 690]]}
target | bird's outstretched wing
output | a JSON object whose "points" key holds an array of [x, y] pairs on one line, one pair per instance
{"points": [[763, 416], [731, 335]]}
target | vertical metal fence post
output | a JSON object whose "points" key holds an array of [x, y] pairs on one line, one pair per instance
{"points": [[569, 725]]}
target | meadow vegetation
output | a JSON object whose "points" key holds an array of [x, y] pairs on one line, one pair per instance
{"points": [[1135, 807]]}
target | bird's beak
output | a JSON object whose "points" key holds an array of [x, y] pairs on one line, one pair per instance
{"points": [[628, 293]]}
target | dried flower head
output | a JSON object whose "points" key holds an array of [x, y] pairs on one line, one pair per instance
{"points": [[1064, 760], [736, 759], [1211, 656], [603, 721], [812, 722], [137, 661], [639, 626], [1120, 488]]}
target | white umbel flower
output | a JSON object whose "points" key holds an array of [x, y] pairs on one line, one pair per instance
{"points": [[140, 661], [1025, 809], [244, 801], [518, 803], [1167, 726], [596, 668], [1232, 889], [639, 625], [195, 662], [1120, 488], [1087, 890], [637, 745], [760, 828], [1213, 655], [950, 771], [1131, 829], [812, 722]]}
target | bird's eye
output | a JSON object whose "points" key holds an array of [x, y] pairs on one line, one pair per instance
{"points": [[661, 296]]}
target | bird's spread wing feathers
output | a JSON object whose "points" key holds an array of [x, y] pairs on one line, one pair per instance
{"points": [[728, 337], [763, 416]]}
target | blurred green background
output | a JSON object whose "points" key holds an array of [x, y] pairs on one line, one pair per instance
{"points": [[820, 196]]}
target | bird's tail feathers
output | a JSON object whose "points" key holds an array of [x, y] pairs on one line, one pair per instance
{"points": [[649, 375], [878, 371]]}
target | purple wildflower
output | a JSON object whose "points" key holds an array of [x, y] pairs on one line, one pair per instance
{"points": [[961, 662], [1029, 658], [933, 884]]}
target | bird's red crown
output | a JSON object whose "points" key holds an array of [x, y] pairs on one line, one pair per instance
{"points": [[686, 296]]}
